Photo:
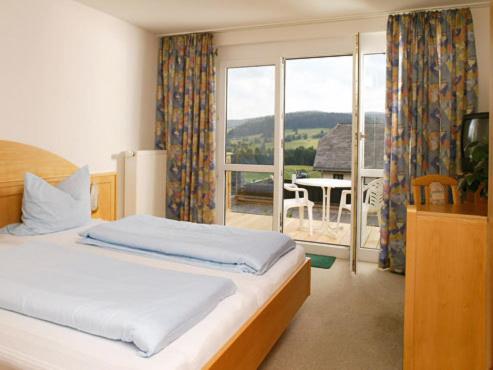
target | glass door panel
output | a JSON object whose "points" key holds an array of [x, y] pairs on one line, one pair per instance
{"points": [[250, 115], [250, 146], [249, 199], [373, 108], [372, 124], [317, 148]]}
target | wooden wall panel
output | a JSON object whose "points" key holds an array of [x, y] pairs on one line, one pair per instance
{"points": [[106, 183]]}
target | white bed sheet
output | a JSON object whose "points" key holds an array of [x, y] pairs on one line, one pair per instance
{"points": [[29, 343]]}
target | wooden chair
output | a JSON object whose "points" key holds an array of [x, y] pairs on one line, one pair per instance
{"points": [[426, 181]]}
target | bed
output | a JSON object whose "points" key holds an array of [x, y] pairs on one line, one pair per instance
{"points": [[237, 334]]}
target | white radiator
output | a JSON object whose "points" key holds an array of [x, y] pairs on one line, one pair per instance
{"points": [[145, 183]]}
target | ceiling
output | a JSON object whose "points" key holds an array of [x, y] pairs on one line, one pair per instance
{"points": [[177, 16]]}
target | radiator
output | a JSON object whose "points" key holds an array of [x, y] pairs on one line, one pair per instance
{"points": [[145, 183]]}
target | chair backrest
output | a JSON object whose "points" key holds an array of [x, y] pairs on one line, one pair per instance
{"points": [[290, 187], [297, 190], [426, 182], [374, 193]]}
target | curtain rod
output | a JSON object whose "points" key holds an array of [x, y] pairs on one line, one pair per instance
{"points": [[438, 8], [327, 20]]}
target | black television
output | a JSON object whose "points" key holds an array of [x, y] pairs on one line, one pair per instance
{"points": [[475, 127]]}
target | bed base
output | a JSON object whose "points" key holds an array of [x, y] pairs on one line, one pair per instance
{"points": [[250, 345]]}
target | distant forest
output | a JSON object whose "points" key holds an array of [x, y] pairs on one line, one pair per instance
{"points": [[251, 140], [296, 120]]}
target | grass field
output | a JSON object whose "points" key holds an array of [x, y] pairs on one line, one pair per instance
{"points": [[297, 143], [256, 176], [255, 141], [310, 141], [289, 170]]}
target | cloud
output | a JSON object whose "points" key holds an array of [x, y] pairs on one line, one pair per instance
{"points": [[251, 92], [322, 84]]}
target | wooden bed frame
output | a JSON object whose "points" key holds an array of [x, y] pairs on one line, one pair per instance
{"points": [[251, 344], [253, 341]]}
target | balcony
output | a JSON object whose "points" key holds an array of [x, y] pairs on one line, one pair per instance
{"points": [[251, 213]]}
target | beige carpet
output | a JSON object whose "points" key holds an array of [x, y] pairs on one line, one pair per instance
{"points": [[348, 323]]}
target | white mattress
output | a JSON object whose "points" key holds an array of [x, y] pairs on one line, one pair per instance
{"points": [[29, 343]]}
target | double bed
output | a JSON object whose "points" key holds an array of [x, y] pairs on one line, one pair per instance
{"points": [[237, 334]]}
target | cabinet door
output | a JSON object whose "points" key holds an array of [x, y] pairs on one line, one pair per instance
{"points": [[448, 313]]}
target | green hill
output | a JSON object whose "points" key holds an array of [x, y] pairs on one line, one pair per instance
{"points": [[293, 121]]}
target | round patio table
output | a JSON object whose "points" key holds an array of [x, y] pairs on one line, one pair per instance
{"points": [[326, 185]]}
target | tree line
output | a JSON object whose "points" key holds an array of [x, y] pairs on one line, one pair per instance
{"points": [[248, 155]]}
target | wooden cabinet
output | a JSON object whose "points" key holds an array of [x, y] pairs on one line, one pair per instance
{"points": [[446, 288]]}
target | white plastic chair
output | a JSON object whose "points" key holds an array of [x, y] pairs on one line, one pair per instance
{"points": [[299, 202], [373, 201]]}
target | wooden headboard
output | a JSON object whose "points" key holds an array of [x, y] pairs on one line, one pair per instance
{"points": [[16, 159]]}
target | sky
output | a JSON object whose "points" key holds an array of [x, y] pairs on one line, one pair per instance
{"points": [[322, 84]]}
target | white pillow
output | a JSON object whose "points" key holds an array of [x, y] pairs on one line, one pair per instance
{"points": [[47, 208]]}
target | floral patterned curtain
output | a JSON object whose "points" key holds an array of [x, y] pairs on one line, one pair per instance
{"points": [[432, 81], [185, 124]]}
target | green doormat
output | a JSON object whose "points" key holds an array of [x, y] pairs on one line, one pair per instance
{"points": [[323, 262]]}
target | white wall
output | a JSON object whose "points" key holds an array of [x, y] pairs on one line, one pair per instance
{"points": [[75, 81]]}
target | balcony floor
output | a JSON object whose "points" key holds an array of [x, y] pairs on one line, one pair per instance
{"points": [[340, 236]]}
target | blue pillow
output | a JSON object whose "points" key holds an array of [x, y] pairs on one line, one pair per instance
{"points": [[48, 209]]}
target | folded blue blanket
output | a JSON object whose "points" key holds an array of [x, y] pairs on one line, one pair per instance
{"points": [[119, 300], [213, 245]]}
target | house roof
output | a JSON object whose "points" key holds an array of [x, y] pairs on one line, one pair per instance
{"points": [[334, 149]]}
